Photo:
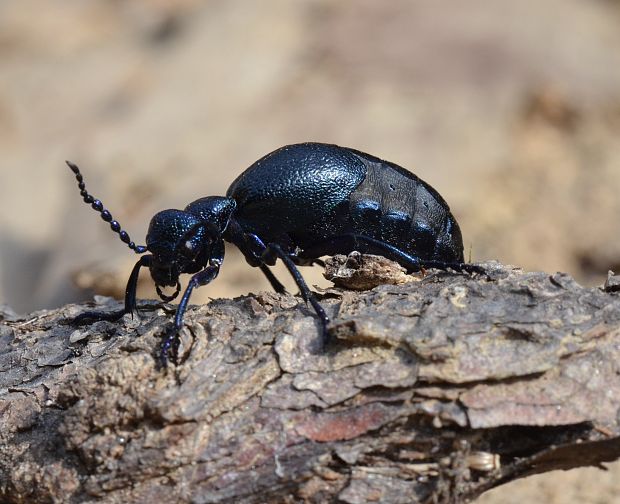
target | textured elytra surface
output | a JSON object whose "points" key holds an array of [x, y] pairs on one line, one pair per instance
{"points": [[294, 186], [436, 389]]}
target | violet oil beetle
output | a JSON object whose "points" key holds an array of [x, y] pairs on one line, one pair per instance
{"points": [[297, 204]]}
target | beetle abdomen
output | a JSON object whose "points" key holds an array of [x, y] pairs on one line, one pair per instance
{"points": [[397, 207], [391, 205]]}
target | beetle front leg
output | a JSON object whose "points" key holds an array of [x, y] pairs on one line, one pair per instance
{"points": [[203, 277], [130, 298]]}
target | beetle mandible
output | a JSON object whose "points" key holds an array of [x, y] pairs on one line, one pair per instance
{"points": [[296, 204]]}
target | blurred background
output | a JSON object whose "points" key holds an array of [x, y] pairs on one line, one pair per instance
{"points": [[510, 109]]}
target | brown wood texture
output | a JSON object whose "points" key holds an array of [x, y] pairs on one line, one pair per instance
{"points": [[434, 390]]}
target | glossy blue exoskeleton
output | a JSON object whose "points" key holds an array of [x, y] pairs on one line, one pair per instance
{"points": [[296, 204]]}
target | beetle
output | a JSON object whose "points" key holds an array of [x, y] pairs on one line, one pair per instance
{"points": [[296, 204]]}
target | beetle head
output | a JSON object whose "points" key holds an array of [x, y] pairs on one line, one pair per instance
{"points": [[180, 243]]}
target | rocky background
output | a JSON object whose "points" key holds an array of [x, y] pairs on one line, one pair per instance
{"points": [[510, 109]]}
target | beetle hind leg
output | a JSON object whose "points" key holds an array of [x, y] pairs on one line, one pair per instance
{"points": [[347, 243]]}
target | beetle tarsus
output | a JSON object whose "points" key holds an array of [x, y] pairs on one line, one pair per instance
{"points": [[169, 347]]}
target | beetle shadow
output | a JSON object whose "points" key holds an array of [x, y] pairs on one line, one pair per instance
{"points": [[28, 278]]}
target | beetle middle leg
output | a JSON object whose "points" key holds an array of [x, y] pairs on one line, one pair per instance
{"points": [[275, 283], [261, 255], [252, 247], [306, 293]]}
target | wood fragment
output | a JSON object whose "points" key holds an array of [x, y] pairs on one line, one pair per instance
{"points": [[433, 391]]}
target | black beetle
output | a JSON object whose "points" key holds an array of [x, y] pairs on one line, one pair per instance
{"points": [[297, 204]]}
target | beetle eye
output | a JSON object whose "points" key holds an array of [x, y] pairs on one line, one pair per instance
{"points": [[189, 249], [191, 246]]}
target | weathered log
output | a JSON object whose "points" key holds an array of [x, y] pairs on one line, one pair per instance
{"points": [[433, 391]]}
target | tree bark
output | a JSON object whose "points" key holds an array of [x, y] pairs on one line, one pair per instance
{"points": [[433, 390]]}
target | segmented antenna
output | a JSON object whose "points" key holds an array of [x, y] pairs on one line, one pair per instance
{"points": [[105, 214]]}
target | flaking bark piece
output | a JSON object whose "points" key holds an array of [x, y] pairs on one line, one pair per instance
{"points": [[419, 380], [364, 271], [612, 284]]}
